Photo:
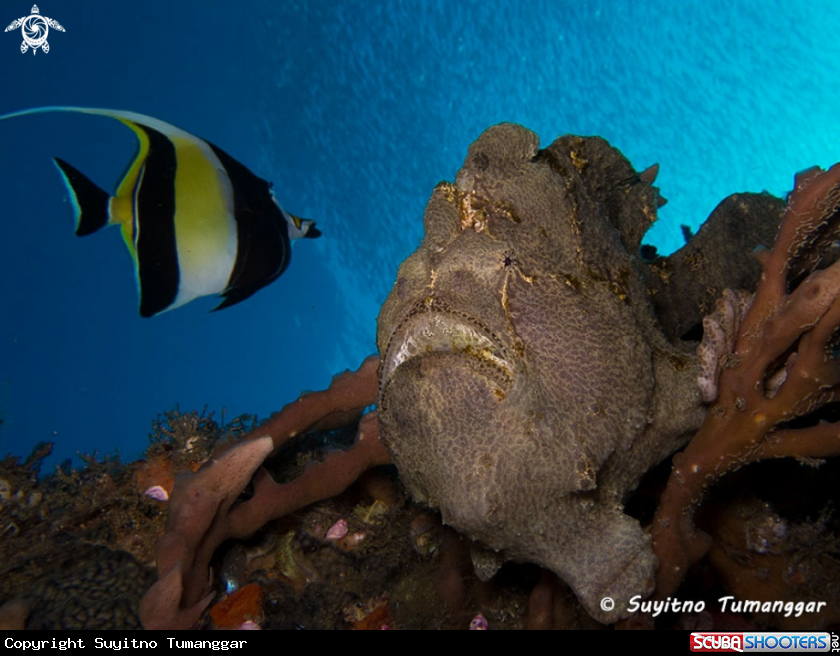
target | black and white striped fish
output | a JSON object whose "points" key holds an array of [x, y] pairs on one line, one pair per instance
{"points": [[196, 222]]}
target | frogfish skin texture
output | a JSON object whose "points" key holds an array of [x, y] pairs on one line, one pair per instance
{"points": [[526, 385]]}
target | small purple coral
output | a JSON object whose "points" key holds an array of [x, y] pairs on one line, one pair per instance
{"points": [[337, 530], [157, 493], [479, 623]]}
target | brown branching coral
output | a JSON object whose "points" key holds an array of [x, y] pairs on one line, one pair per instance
{"points": [[205, 509], [781, 365]]}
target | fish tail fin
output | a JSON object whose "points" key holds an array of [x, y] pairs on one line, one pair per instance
{"points": [[89, 201]]}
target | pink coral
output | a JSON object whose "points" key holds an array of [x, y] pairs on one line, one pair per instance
{"points": [[337, 530]]}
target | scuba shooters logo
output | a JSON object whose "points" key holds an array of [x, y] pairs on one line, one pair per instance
{"points": [[35, 29], [766, 642]]}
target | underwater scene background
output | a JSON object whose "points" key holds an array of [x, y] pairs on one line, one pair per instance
{"points": [[355, 110]]}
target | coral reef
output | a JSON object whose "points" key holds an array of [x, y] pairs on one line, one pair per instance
{"points": [[205, 509], [772, 360], [76, 543], [395, 566], [293, 524], [428, 321]]}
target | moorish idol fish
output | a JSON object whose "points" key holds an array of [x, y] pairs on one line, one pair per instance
{"points": [[196, 222]]}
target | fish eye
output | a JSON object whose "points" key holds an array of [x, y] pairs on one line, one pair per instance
{"points": [[508, 259]]}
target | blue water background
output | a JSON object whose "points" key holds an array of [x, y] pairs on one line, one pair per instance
{"points": [[355, 109]]}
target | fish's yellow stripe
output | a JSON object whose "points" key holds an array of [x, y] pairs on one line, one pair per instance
{"points": [[122, 209], [129, 180], [205, 227]]}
